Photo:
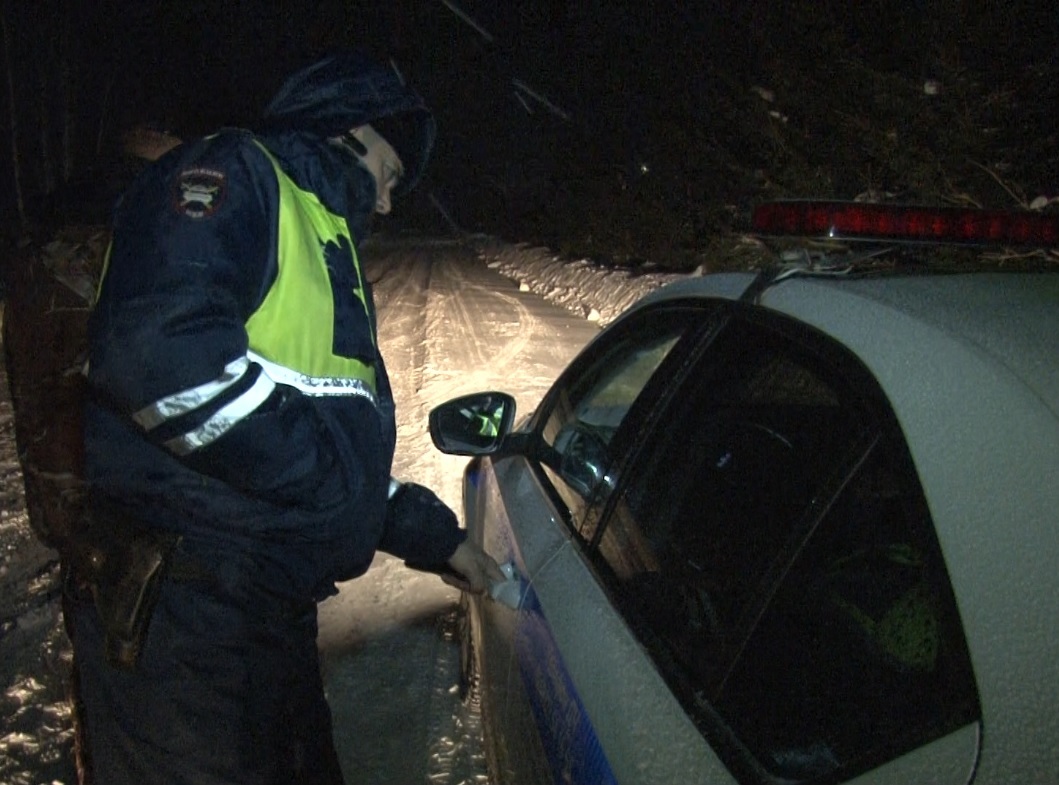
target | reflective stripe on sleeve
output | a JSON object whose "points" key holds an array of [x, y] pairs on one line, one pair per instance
{"points": [[225, 418], [185, 401], [315, 385]]}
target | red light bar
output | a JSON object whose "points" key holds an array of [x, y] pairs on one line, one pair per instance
{"points": [[896, 223]]}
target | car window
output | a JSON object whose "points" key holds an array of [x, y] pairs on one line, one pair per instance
{"points": [[859, 656], [592, 400], [722, 482], [774, 551]]}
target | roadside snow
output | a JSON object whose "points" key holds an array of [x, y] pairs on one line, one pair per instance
{"points": [[597, 293]]}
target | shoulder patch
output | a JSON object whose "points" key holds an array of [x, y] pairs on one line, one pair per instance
{"points": [[199, 192]]}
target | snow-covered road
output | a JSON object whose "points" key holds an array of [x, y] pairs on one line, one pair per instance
{"points": [[448, 324], [453, 319]]}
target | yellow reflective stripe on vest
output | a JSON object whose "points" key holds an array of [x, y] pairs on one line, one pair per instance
{"points": [[292, 331]]}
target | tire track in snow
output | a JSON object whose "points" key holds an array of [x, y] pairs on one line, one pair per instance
{"points": [[470, 318]]}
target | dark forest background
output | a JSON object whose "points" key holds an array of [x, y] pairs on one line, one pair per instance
{"points": [[627, 132]]}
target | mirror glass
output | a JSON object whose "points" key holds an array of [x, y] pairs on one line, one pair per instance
{"points": [[472, 425]]}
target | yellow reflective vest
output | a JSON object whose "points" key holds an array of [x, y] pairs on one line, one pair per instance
{"points": [[292, 334]]}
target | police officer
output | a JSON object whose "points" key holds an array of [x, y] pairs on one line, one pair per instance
{"points": [[239, 436]]}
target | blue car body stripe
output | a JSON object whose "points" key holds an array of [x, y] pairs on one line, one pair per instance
{"points": [[569, 740], [570, 743]]}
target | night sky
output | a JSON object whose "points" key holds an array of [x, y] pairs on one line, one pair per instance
{"points": [[619, 75]]}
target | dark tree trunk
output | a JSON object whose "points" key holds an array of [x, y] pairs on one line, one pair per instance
{"points": [[49, 293]]}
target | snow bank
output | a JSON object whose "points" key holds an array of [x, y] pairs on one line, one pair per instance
{"points": [[591, 290]]}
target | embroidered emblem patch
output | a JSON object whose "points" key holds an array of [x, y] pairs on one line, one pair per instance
{"points": [[199, 192]]}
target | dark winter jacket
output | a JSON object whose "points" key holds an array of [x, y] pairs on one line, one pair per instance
{"points": [[186, 430]]}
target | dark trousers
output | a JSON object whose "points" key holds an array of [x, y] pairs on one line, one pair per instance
{"points": [[221, 694]]}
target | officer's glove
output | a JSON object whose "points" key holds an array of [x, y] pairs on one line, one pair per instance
{"points": [[472, 569], [433, 540], [420, 528]]}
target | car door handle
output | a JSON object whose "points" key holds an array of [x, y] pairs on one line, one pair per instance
{"points": [[508, 591]]}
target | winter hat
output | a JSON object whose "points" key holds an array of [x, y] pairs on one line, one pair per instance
{"points": [[348, 90]]}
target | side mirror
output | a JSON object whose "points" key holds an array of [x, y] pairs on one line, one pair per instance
{"points": [[473, 424], [584, 456]]}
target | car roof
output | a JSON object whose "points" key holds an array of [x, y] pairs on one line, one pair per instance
{"points": [[1011, 317], [969, 363]]}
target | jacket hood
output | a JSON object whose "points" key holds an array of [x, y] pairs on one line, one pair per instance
{"points": [[346, 90]]}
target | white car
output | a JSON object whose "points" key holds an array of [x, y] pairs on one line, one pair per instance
{"points": [[796, 526]]}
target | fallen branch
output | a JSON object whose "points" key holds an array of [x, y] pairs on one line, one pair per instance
{"points": [[1019, 199]]}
